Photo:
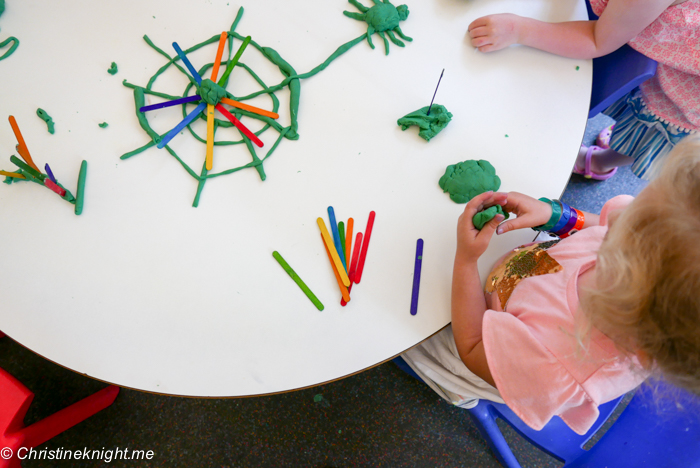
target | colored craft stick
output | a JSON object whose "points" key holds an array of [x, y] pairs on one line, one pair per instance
{"points": [[80, 192], [246, 107], [187, 63], [239, 125], [343, 290], [338, 265], [348, 243], [336, 237], [210, 136], [353, 263], [416, 277], [50, 174], [219, 54], [341, 232], [297, 280], [365, 245], [23, 150], [12, 174], [174, 102], [25, 167], [48, 183], [232, 63], [186, 121]]}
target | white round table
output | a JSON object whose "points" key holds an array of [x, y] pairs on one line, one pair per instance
{"points": [[147, 292]]}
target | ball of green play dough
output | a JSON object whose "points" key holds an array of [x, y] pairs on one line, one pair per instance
{"points": [[211, 92], [465, 180], [482, 217]]}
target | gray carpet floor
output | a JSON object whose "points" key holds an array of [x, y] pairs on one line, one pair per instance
{"points": [[379, 418]]}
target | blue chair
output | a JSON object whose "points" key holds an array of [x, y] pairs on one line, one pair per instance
{"points": [[657, 439], [616, 74]]}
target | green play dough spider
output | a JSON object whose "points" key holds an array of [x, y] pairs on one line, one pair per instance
{"points": [[382, 18]]}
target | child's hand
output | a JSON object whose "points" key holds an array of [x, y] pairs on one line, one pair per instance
{"points": [[530, 212], [494, 32], [471, 243]]}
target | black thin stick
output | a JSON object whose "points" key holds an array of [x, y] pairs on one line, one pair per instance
{"points": [[436, 88]]}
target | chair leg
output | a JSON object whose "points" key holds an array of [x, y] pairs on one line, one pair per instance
{"points": [[51, 426], [489, 430]]}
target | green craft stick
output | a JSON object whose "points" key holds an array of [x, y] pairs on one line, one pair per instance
{"points": [[297, 280], [27, 168], [341, 232], [229, 68], [80, 192]]}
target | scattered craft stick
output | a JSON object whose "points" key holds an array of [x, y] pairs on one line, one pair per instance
{"points": [[187, 63], [23, 150], [297, 280], [12, 174], [338, 265], [365, 245], [353, 264], [80, 192], [174, 102], [190, 117], [25, 167], [50, 174], [251, 136], [48, 183], [232, 63], [210, 137], [343, 290], [341, 233], [348, 243], [246, 107], [416, 277], [219, 54], [336, 237]]}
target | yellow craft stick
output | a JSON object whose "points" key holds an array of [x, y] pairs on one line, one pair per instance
{"points": [[337, 264], [254, 110], [22, 149], [210, 136], [343, 290], [12, 174], [219, 53], [348, 242]]}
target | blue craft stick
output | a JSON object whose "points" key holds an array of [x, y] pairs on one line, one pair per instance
{"points": [[49, 173], [175, 102], [186, 121], [187, 63], [416, 277], [336, 236]]}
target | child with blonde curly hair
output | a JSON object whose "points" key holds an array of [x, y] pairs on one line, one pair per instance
{"points": [[566, 325]]}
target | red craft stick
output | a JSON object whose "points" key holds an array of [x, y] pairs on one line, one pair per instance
{"points": [[49, 184], [365, 244], [353, 264], [239, 125]]}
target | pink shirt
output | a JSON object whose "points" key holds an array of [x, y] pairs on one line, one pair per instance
{"points": [[531, 348], [673, 40]]}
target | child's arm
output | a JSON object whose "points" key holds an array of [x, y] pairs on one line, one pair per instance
{"points": [[531, 212], [621, 21]]}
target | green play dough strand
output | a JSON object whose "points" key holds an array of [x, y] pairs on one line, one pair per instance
{"points": [[468, 179], [43, 115], [12, 39], [482, 217], [80, 192], [429, 125]]}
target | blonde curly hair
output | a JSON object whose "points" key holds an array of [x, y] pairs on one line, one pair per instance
{"points": [[647, 295]]}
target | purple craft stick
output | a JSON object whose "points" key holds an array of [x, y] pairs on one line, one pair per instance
{"points": [[175, 102], [416, 277], [187, 63], [185, 122], [49, 173]]}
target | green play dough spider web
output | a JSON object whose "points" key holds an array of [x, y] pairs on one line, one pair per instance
{"points": [[291, 81]]}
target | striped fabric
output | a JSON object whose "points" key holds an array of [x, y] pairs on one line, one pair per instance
{"points": [[638, 133]]}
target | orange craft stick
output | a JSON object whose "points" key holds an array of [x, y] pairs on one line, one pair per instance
{"points": [[337, 264], [210, 137], [254, 110], [343, 290], [348, 243], [353, 265], [219, 53], [12, 174], [22, 150]]}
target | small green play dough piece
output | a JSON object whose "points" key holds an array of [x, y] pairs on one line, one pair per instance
{"points": [[482, 217], [103, 125], [46, 118], [211, 92], [468, 179], [80, 193], [429, 125], [113, 69]]}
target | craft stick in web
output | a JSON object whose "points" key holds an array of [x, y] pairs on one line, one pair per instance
{"points": [[297, 280], [50, 174], [26, 168], [210, 137], [348, 243], [174, 102], [337, 264], [251, 136], [22, 150], [48, 183], [416, 277], [232, 63], [186, 121], [219, 54], [12, 174], [365, 245], [187, 63], [353, 263], [343, 290], [246, 107], [336, 237]]}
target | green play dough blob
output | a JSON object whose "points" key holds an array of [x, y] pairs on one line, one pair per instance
{"points": [[468, 179], [429, 125], [2, 6], [482, 217], [113, 69], [43, 115], [103, 125], [211, 92]]}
